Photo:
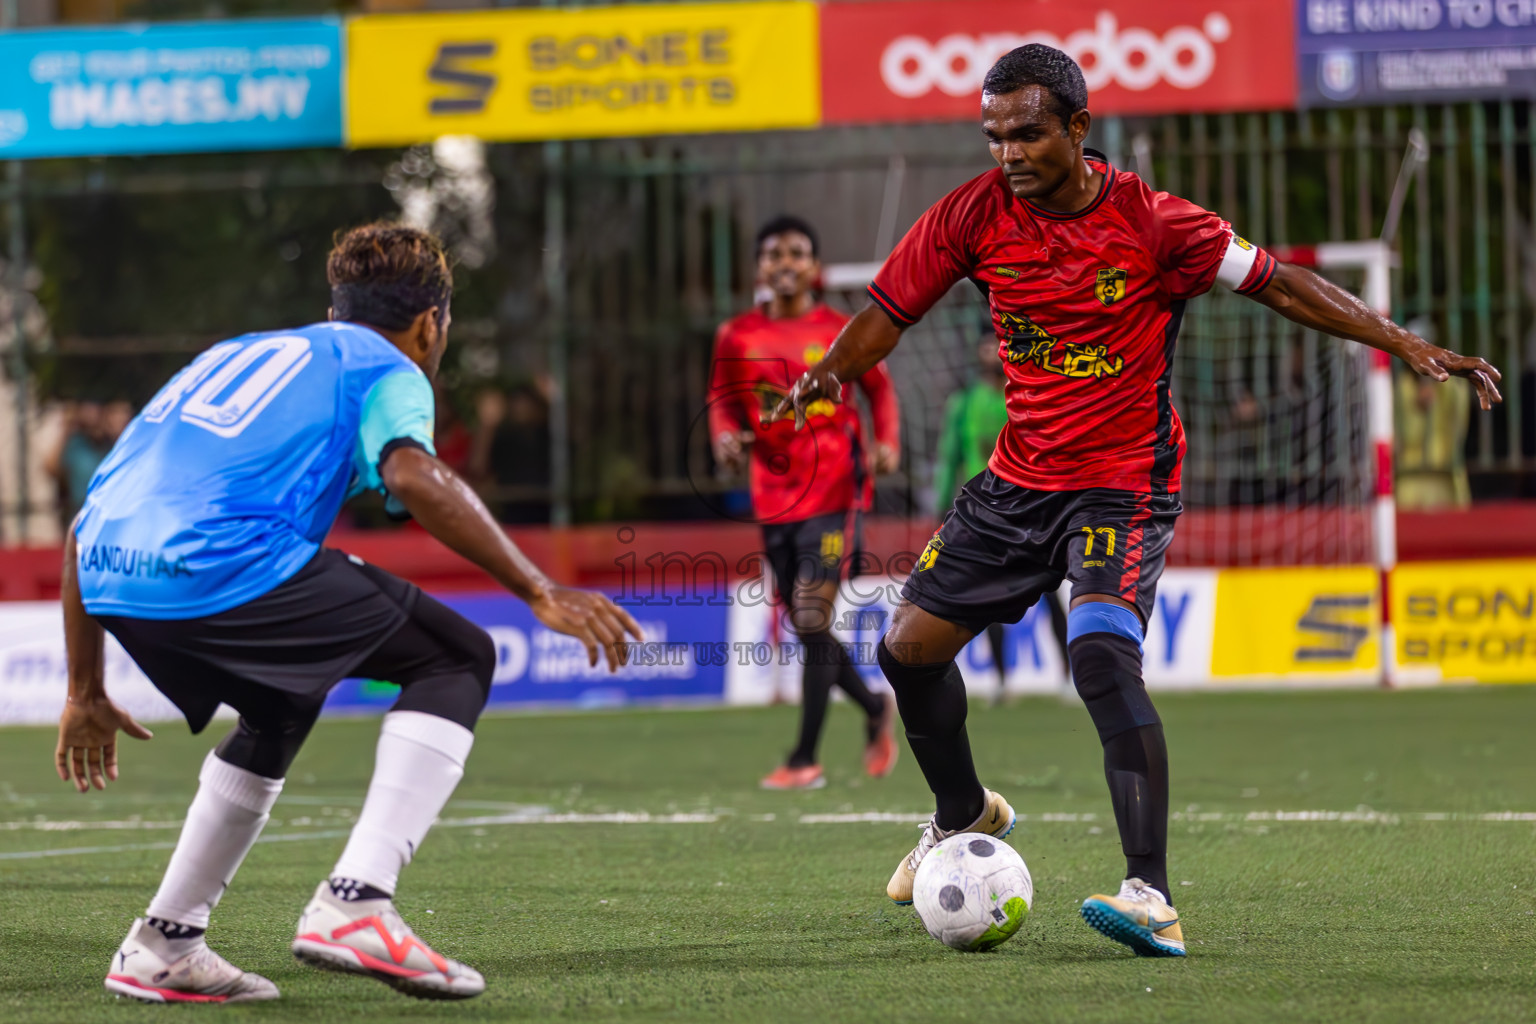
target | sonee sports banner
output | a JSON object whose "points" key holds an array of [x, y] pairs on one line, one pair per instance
{"points": [[606, 71]]}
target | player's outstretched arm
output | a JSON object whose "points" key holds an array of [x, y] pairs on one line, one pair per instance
{"points": [[88, 728], [1300, 295], [449, 510], [865, 340]]}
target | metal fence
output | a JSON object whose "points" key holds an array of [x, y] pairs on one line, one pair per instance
{"points": [[658, 253], [618, 259]]}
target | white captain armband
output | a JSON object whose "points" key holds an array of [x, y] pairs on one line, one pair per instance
{"points": [[1245, 268]]}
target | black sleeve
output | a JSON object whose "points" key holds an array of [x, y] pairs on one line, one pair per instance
{"points": [[392, 507]]}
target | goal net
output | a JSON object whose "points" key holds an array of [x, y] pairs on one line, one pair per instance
{"points": [[1282, 465]]}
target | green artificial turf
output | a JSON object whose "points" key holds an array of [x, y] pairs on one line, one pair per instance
{"points": [[735, 908]]}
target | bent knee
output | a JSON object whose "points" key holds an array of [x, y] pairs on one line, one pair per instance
{"points": [[480, 649], [918, 637]]}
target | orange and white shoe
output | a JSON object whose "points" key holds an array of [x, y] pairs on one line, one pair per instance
{"points": [[785, 777], [880, 752], [154, 969], [369, 937], [1139, 917]]}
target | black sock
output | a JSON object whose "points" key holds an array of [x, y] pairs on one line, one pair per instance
{"points": [[351, 890], [815, 694], [995, 642], [850, 682], [931, 699], [1107, 670], [173, 929], [827, 664], [1136, 768]]}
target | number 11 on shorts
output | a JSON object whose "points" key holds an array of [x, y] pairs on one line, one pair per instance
{"points": [[1108, 532]]}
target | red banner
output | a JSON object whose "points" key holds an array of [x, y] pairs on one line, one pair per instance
{"points": [[924, 60]]}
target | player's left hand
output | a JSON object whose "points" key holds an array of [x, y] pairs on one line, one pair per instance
{"points": [[887, 459], [816, 383], [1442, 364], [87, 750]]}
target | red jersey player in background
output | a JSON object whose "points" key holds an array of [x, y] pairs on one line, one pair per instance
{"points": [[1087, 270], [808, 487]]}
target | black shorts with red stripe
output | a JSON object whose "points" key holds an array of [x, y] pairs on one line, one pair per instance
{"points": [[1002, 546]]}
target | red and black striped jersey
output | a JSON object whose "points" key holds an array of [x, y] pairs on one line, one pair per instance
{"points": [[1086, 307]]}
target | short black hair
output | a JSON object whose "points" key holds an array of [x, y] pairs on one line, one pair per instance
{"points": [[785, 222], [386, 275], [1045, 66]]}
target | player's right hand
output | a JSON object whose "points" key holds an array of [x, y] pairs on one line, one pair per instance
{"points": [[87, 750], [816, 383], [731, 449], [591, 618]]}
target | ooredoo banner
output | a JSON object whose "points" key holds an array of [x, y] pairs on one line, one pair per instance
{"points": [[912, 61]]}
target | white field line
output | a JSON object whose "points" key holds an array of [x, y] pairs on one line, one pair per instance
{"points": [[616, 818], [132, 847], [541, 816], [922, 819]]}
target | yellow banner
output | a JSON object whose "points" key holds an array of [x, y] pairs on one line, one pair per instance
{"points": [[1296, 622], [1470, 620], [602, 71]]}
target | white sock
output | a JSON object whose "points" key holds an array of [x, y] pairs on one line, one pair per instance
{"points": [[223, 822], [420, 761]]}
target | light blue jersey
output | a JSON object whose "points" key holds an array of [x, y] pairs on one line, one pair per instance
{"points": [[225, 485]]}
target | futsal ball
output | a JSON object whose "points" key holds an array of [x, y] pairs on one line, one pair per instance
{"points": [[972, 892]]}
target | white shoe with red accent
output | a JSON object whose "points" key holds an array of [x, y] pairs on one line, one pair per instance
{"points": [[369, 937], [154, 969]]}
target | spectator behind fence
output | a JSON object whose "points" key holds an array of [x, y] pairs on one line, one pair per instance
{"points": [[973, 417], [510, 454], [455, 444], [1431, 438], [90, 431]]}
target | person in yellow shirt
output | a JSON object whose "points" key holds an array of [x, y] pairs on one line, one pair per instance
{"points": [[1432, 426]]}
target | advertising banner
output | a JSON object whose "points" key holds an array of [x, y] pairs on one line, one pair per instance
{"points": [[764, 665], [603, 71], [682, 659], [34, 674], [1455, 622], [1467, 621], [1354, 52], [1309, 624], [914, 61], [170, 88]]}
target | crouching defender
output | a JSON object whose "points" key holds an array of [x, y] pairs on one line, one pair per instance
{"points": [[1087, 270], [199, 548]]}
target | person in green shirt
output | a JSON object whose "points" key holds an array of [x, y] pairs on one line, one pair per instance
{"points": [[973, 417]]}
